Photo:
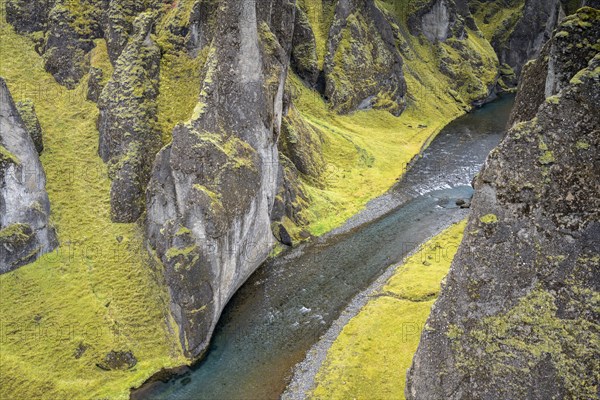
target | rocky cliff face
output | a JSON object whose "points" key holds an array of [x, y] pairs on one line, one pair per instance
{"points": [[518, 313], [440, 19], [359, 76], [213, 188], [129, 138], [518, 30], [25, 232]]}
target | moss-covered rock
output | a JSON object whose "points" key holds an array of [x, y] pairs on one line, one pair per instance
{"points": [[28, 15], [517, 317], [95, 85], [574, 44], [129, 136], [25, 230], [363, 67], [68, 42], [218, 178], [118, 23], [304, 51], [517, 29], [301, 143], [32, 124]]}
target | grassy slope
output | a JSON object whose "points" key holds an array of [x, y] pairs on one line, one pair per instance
{"points": [[491, 18], [368, 151], [370, 357], [93, 291]]}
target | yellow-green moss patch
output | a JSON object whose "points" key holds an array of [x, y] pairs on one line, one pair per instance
{"points": [[61, 315], [489, 219], [370, 357]]}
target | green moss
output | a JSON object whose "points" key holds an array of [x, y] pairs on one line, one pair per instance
{"points": [[547, 158], [320, 13], [15, 233], [99, 59], [497, 21], [370, 357], [180, 85], [582, 145], [215, 197], [7, 156], [489, 219], [531, 332], [174, 252], [183, 231], [108, 299], [454, 332]]}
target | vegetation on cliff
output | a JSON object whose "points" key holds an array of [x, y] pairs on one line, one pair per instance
{"points": [[96, 293]]}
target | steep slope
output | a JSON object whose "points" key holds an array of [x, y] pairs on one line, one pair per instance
{"points": [[25, 229], [518, 315], [517, 29], [95, 300]]}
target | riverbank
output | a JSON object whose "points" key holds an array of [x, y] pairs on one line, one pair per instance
{"points": [[367, 350], [290, 302]]}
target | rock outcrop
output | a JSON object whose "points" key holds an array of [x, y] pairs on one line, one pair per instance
{"points": [[129, 138], [521, 29], [68, 41], [25, 232], [65, 30], [359, 76], [575, 43], [213, 188], [28, 15], [304, 49], [32, 124], [438, 20], [518, 313]]}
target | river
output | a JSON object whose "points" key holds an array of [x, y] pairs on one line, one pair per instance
{"points": [[289, 302]]}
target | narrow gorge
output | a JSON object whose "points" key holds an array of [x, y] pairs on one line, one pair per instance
{"points": [[203, 198]]}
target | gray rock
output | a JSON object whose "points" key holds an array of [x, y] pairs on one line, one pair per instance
{"points": [[517, 316], [359, 77], [213, 188], [129, 137], [569, 50], [521, 39], [28, 15], [95, 86], [66, 47], [118, 360], [25, 232], [438, 20], [32, 124], [304, 53]]}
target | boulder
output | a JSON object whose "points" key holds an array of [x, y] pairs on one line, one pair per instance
{"points": [[25, 230]]}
